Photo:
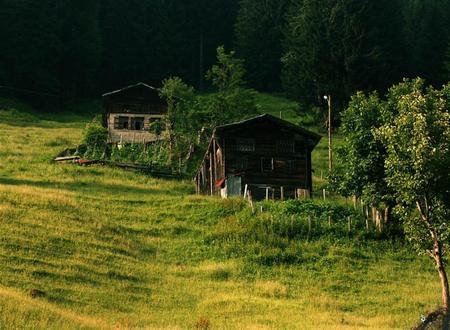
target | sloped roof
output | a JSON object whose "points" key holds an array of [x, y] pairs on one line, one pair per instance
{"points": [[140, 84], [276, 121]]}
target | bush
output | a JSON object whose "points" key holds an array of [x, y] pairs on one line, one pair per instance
{"points": [[155, 153], [95, 135]]}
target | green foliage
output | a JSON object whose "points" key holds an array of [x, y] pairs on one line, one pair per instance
{"points": [[157, 127], [401, 146], [228, 73], [395, 151], [156, 153], [95, 135], [181, 129], [337, 47], [95, 147], [360, 168], [333, 46], [232, 101], [259, 34], [77, 55], [427, 33], [417, 140]]}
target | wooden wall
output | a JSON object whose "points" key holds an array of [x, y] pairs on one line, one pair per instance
{"points": [[264, 156], [130, 136]]}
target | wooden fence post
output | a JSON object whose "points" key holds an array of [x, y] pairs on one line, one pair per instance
{"points": [[250, 200], [211, 174], [309, 226]]}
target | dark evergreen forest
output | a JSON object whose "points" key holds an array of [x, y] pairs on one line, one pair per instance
{"points": [[304, 48]]}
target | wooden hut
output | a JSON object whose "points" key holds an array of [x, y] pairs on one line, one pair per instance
{"points": [[130, 111], [264, 156]]}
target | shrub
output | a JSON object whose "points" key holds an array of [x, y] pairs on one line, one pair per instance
{"points": [[95, 135]]}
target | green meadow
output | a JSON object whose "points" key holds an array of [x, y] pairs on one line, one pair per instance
{"points": [[101, 248]]}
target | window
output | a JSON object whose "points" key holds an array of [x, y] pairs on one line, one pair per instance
{"points": [[137, 123], [285, 166], [280, 165], [285, 146], [267, 164], [123, 122], [245, 145]]}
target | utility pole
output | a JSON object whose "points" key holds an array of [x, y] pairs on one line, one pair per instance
{"points": [[330, 150]]}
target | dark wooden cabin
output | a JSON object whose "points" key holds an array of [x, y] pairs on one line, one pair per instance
{"points": [[267, 156], [130, 111]]}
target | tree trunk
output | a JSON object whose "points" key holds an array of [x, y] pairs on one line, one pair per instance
{"points": [[387, 215], [437, 255], [171, 147]]}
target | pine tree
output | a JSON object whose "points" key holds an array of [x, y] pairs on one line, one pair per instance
{"points": [[338, 47], [259, 36]]}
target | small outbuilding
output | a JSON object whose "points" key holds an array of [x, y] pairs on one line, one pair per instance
{"points": [[130, 111], [264, 156]]}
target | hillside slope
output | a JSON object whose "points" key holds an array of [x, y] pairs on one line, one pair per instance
{"points": [[113, 249]]}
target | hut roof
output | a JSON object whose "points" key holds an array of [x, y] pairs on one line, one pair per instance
{"points": [[314, 138], [140, 84]]}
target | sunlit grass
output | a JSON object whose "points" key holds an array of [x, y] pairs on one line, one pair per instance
{"points": [[114, 249]]}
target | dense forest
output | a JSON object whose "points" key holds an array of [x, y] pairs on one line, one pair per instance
{"points": [[75, 49]]}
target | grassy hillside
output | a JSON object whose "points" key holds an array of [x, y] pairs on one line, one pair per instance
{"points": [[113, 249]]}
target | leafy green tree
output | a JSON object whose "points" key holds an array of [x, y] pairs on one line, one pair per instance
{"points": [[232, 101], [397, 151], [180, 99], [361, 157], [417, 141]]}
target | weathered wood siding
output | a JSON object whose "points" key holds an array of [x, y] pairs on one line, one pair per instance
{"points": [[289, 167], [271, 157], [137, 101], [116, 135]]}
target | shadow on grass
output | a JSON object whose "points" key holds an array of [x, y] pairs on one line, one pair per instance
{"points": [[94, 188], [17, 113], [31, 120]]}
